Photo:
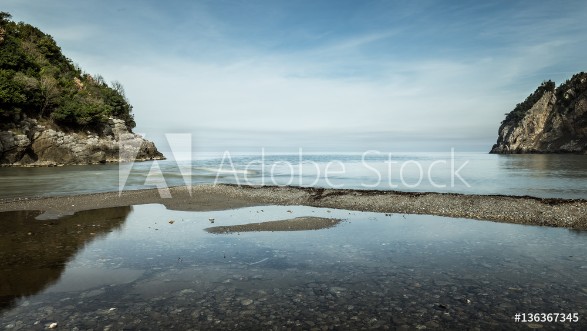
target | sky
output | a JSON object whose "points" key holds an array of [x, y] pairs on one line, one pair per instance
{"points": [[330, 76]]}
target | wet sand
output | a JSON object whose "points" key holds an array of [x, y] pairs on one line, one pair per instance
{"points": [[294, 224], [509, 209]]}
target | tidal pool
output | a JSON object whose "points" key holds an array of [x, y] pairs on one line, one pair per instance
{"points": [[145, 267]]}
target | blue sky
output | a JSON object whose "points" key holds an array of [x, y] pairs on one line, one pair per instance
{"points": [[321, 75]]}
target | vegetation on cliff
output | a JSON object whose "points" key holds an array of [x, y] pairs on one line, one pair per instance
{"points": [[551, 120], [570, 91], [38, 81], [565, 94], [522, 108]]}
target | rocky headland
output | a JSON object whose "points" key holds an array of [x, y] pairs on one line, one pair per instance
{"points": [[54, 113], [30, 143], [551, 120]]}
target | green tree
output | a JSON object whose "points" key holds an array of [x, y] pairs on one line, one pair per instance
{"points": [[37, 79], [12, 96], [49, 89], [4, 17]]}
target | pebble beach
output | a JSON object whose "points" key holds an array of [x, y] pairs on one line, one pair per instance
{"points": [[567, 213]]}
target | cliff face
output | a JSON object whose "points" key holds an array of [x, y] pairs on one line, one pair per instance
{"points": [[32, 144], [549, 121]]}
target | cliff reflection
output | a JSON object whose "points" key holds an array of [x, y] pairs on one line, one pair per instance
{"points": [[33, 253], [546, 165]]}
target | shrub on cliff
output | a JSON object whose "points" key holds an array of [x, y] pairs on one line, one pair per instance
{"points": [[570, 91], [37, 80], [522, 108]]}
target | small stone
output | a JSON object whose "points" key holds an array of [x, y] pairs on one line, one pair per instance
{"points": [[171, 222], [534, 325], [246, 302], [53, 325], [337, 290]]}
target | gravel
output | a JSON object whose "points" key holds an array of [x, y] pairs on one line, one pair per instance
{"points": [[568, 213]]}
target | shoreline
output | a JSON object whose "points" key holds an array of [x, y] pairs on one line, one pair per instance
{"points": [[553, 212], [57, 165]]}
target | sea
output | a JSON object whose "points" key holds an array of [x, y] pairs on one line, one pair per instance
{"points": [[146, 267], [538, 175]]}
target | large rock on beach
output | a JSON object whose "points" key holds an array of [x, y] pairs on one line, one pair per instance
{"points": [[32, 144]]}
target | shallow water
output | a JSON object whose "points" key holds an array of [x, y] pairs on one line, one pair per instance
{"points": [[131, 268]]}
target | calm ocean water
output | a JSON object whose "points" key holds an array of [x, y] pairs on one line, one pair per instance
{"points": [[561, 176]]}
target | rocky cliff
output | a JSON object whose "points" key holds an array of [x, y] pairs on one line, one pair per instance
{"points": [[54, 113], [29, 143], [551, 120]]}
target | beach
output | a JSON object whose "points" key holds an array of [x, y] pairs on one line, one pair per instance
{"points": [[247, 257], [567, 213]]}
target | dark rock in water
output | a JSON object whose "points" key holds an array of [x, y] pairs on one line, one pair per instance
{"points": [[550, 120], [32, 144]]}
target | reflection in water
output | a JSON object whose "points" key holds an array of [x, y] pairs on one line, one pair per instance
{"points": [[33, 253], [162, 270], [546, 165], [578, 232], [542, 175]]}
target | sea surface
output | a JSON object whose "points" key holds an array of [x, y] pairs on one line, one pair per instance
{"points": [[148, 268], [549, 176]]}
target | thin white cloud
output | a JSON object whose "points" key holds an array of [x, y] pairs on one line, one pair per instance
{"points": [[199, 75]]}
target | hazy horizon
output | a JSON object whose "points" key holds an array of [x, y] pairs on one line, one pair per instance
{"points": [[338, 76]]}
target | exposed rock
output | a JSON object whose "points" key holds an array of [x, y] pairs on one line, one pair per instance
{"points": [[31, 144], [549, 121]]}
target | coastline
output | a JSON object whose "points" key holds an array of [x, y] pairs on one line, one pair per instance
{"points": [[566, 213], [57, 165]]}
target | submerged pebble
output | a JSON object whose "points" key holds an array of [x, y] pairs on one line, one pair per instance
{"points": [[246, 302], [427, 275]]}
